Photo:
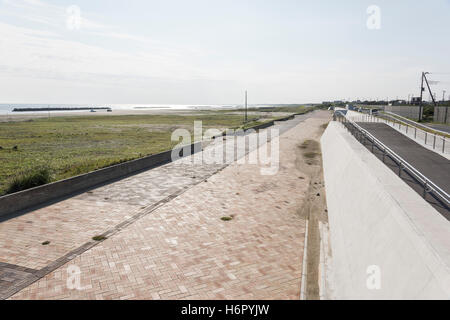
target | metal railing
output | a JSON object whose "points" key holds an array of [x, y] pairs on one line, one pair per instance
{"points": [[429, 187], [413, 123], [437, 142]]}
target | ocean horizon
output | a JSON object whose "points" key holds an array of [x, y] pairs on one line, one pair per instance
{"points": [[7, 108]]}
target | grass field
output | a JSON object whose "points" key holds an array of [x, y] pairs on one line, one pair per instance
{"points": [[70, 146]]}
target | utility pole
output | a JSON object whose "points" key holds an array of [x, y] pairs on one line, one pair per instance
{"points": [[422, 89], [443, 95], [421, 96], [246, 113], [429, 89]]}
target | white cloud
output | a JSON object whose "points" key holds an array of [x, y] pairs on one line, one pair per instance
{"points": [[49, 53], [43, 13], [40, 53]]}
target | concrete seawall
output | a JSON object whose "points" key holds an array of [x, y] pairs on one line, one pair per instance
{"points": [[442, 114], [50, 192], [386, 241], [412, 112]]}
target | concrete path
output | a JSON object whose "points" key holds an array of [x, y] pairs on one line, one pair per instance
{"points": [[165, 236]]}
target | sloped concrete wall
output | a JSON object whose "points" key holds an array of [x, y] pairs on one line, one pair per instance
{"points": [[412, 112], [377, 223]]}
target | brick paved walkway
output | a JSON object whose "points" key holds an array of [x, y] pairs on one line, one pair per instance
{"points": [[175, 249]]}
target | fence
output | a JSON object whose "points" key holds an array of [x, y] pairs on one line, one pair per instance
{"points": [[412, 112], [403, 166], [442, 115], [433, 140]]}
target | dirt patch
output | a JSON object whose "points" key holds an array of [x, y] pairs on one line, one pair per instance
{"points": [[308, 152], [264, 187], [309, 161], [325, 126], [310, 155]]}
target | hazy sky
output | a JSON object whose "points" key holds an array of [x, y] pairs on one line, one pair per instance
{"points": [[209, 52]]}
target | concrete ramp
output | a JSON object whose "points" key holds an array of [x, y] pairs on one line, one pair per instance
{"points": [[429, 163], [386, 241]]}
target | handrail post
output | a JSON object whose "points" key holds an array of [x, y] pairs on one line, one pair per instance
{"points": [[428, 186], [425, 186]]}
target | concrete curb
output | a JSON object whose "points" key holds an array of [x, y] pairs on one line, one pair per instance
{"points": [[262, 126], [304, 265]]}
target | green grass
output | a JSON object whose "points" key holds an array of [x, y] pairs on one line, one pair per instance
{"points": [[251, 124], [99, 238], [28, 180], [307, 143], [295, 109], [74, 145], [286, 109], [310, 155]]}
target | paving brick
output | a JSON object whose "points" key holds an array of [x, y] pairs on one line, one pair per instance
{"points": [[182, 248]]}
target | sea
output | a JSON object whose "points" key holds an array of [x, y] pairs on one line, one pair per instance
{"points": [[8, 108]]}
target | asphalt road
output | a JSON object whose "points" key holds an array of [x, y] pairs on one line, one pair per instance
{"points": [[430, 164]]}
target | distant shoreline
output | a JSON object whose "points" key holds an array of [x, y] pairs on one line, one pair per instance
{"points": [[58, 109]]}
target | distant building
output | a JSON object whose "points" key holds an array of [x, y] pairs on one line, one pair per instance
{"points": [[399, 102], [415, 101]]}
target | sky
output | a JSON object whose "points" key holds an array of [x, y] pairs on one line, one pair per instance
{"points": [[211, 51]]}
